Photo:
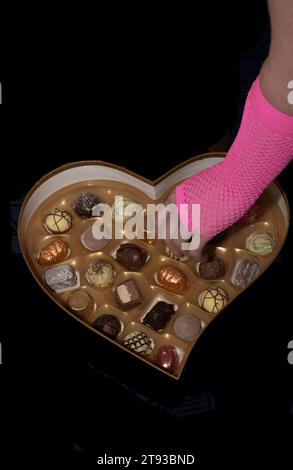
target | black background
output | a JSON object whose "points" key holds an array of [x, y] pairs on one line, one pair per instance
{"points": [[145, 94]]}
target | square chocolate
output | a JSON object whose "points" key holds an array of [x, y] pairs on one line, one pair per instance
{"points": [[127, 294], [158, 317]]}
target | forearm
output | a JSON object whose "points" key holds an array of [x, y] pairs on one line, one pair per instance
{"points": [[263, 145]]}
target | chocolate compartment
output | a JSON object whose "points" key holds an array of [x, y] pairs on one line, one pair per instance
{"points": [[106, 181]]}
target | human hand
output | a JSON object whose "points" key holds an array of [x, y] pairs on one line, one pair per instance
{"points": [[175, 245]]}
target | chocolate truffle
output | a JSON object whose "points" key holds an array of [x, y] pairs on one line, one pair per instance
{"points": [[158, 317], [187, 327], [91, 243], [260, 243], [172, 279], [61, 277], [171, 255], [131, 256], [213, 268], [118, 209], [251, 215], [53, 253], [167, 358], [100, 273], [245, 272], [58, 221], [108, 324], [80, 302], [128, 295], [213, 299], [139, 343], [85, 205]]}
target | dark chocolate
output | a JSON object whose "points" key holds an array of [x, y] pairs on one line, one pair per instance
{"points": [[158, 317], [108, 324], [131, 256], [84, 204]]}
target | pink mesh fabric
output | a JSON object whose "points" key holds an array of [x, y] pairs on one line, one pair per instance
{"points": [[261, 150]]}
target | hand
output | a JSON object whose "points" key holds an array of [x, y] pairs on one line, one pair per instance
{"points": [[175, 245]]}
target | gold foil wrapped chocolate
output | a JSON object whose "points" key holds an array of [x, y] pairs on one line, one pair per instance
{"points": [[53, 253], [172, 279]]}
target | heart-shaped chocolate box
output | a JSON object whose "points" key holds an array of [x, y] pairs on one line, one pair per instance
{"points": [[61, 187]]}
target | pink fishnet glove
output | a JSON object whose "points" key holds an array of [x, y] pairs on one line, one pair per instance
{"points": [[261, 150]]}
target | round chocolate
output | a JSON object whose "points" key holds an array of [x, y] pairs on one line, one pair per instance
{"points": [[213, 268], [187, 327], [260, 243], [58, 221], [61, 277], [118, 209], [91, 243], [213, 299], [172, 279], [84, 205], [53, 253], [100, 273], [108, 324], [131, 256], [159, 315], [167, 358], [139, 343]]}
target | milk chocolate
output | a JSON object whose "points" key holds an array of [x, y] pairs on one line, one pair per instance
{"points": [[131, 256], [213, 268], [127, 294]]}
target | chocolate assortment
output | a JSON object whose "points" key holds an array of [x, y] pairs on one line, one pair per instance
{"points": [[137, 293]]}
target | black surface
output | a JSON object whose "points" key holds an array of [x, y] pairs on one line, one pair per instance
{"points": [[74, 395]]}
